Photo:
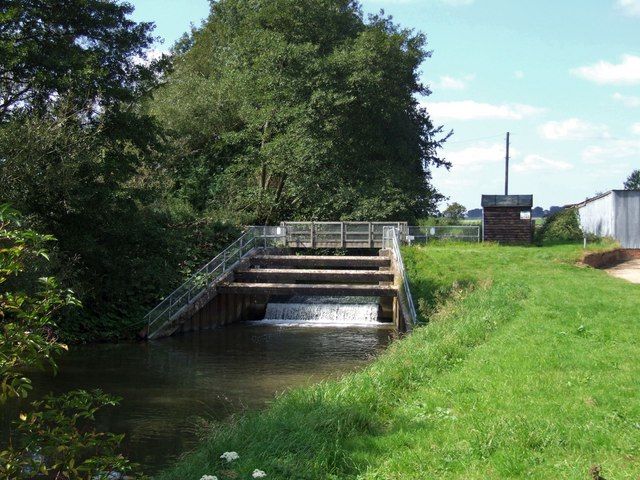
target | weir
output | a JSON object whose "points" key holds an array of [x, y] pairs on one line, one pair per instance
{"points": [[267, 275], [334, 311]]}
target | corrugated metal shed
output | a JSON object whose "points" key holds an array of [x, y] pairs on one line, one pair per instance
{"points": [[614, 214]]}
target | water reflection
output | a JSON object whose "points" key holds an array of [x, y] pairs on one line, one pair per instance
{"points": [[166, 385]]}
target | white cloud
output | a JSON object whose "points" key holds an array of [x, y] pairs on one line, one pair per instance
{"points": [[472, 110], [627, 100], [538, 163], [448, 82], [617, 149], [572, 129], [627, 72], [629, 7], [518, 74], [479, 155], [635, 128]]}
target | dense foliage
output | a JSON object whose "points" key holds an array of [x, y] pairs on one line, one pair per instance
{"points": [[83, 162], [142, 169], [290, 109], [562, 226], [56, 438]]}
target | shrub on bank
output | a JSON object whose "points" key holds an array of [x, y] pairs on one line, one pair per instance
{"points": [[562, 226]]}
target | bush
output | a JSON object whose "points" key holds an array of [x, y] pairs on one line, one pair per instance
{"points": [[562, 226]]}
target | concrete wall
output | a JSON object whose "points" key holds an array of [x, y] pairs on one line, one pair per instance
{"points": [[615, 215], [627, 218], [224, 309]]}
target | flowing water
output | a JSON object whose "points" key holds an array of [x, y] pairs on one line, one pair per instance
{"points": [[168, 385]]}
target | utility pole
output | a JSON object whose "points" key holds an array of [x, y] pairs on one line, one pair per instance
{"points": [[506, 169]]}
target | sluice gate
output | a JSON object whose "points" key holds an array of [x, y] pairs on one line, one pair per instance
{"points": [[269, 264]]}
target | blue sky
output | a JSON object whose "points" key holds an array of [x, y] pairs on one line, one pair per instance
{"points": [[562, 76]]}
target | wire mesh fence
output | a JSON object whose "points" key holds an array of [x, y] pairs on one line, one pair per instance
{"points": [[459, 233]]}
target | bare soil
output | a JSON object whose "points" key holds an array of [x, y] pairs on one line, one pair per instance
{"points": [[629, 271]]}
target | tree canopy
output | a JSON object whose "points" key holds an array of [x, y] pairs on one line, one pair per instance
{"points": [[454, 211], [301, 109], [633, 181]]}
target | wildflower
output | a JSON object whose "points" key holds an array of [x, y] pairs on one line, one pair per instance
{"points": [[209, 477], [230, 456], [258, 474]]}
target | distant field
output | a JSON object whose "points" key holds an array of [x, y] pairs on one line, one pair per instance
{"points": [[528, 369]]}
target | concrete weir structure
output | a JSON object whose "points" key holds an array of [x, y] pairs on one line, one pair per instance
{"points": [[263, 266]]}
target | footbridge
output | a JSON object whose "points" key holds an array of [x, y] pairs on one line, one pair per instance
{"points": [[277, 263]]}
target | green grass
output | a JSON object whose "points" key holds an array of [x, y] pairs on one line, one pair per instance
{"points": [[529, 369]]}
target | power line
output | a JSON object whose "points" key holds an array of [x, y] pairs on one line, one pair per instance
{"points": [[473, 139]]}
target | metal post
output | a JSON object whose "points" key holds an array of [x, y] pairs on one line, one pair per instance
{"points": [[313, 235], [506, 169]]}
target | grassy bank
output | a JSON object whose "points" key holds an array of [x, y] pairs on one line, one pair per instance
{"points": [[529, 368]]}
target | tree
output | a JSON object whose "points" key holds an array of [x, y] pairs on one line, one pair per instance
{"points": [[78, 155], [537, 212], [633, 181], [474, 213], [55, 439], [454, 211], [80, 49], [301, 109]]}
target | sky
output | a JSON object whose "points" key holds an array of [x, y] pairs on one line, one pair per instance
{"points": [[563, 77]]}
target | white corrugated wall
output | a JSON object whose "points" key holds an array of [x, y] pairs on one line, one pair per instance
{"points": [[627, 218], [597, 216]]}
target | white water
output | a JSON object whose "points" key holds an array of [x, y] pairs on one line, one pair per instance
{"points": [[335, 312]]}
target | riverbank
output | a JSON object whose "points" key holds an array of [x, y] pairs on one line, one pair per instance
{"points": [[527, 369]]}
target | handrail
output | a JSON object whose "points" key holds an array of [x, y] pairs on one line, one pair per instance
{"points": [[193, 288], [391, 239]]}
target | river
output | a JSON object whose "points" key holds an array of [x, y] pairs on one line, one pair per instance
{"points": [[169, 385]]}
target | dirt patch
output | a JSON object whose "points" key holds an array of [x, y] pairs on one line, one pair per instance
{"points": [[629, 271], [611, 258]]}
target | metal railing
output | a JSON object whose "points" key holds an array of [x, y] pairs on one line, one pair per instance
{"points": [[391, 240], [337, 234], [306, 235], [461, 233], [195, 286]]}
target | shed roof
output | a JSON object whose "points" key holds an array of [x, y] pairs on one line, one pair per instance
{"points": [[507, 200], [602, 195]]}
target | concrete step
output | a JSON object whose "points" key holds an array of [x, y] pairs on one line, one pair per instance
{"points": [[328, 289], [316, 275], [318, 261]]}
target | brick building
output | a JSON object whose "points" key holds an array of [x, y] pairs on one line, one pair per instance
{"points": [[507, 219]]}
